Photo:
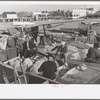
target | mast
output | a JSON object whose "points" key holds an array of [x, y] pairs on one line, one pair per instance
{"points": [[44, 30]]}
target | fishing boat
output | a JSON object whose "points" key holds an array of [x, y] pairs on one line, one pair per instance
{"points": [[19, 76]]}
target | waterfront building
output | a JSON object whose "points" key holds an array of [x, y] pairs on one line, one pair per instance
{"points": [[83, 12], [9, 16], [41, 15], [78, 13], [13, 16]]}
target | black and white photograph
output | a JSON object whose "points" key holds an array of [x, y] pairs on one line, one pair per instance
{"points": [[49, 43], [49, 50]]}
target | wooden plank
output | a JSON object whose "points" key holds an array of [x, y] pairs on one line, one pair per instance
{"points": [[11, 60], [6, 66], [32, 74]]}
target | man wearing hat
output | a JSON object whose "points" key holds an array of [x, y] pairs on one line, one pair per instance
{"points": [[28, 47], [62, 51], [49, 68]]}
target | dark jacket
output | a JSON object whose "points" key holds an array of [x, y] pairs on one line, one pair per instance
{"points": [[19, 46], [48, 68], [61, 49], [26, 52]]}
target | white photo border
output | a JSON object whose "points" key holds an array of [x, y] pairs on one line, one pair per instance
{"points": [[35, 91]]}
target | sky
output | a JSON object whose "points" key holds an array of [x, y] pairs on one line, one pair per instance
{"points": [[44, 6]]}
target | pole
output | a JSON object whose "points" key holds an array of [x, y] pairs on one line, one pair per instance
{"points": [[44, 34], [44, 30]]}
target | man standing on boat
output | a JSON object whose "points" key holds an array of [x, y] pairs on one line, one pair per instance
{"points": [[62, 52], [28, 47], [19, 45]]}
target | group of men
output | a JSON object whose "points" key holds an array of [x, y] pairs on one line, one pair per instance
{"points": [[49, 67], [26, 46]]}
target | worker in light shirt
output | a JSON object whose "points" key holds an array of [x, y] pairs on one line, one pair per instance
{"points": [[28, 47]]}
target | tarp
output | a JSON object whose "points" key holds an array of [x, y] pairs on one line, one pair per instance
{"points": [[80, 55], [14, 30], [79, 44], [72, 48], [77, 76], [8, 54], [3, 42]]}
